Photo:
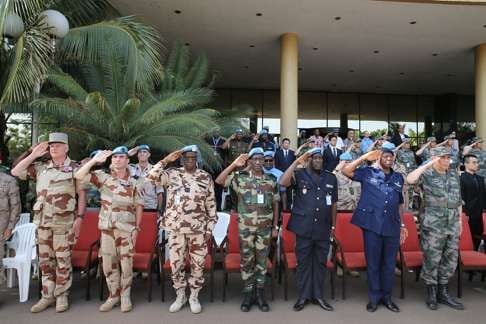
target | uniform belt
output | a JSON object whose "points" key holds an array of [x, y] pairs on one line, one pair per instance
{"points": [[442, 204]]}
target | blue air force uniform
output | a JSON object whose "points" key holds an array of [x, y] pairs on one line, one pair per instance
{"points": [[378, 216], [311, 222]]}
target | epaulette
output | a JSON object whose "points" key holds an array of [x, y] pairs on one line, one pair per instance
{"points": [[242, 172]]}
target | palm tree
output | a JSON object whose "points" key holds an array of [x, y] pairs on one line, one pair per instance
{"points": [[26, 63], [100, 105]]}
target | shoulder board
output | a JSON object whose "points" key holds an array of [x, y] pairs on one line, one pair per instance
{"points": [[244, 173]]}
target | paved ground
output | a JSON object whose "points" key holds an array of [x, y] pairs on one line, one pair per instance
{"points": [[351, 310]]}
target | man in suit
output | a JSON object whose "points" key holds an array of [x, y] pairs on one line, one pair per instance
{"points": [[473, 195], [379, 214], [284, 156], [313, 218], [399, 135], [331, 154]]}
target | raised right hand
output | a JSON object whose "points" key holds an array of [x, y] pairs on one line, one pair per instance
{"points": [[240, 161], [303, 158], [172, 157], [371, 155], [40, 149], [101, 156]]}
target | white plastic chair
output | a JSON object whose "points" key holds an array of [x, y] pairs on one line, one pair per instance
{"points": [[221, 228], [23, 258], [24, 219], [225, 193]]}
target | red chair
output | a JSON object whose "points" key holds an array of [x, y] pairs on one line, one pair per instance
{"points": [[349, 247], [146, 252], [232, 259], [469, 259], [411, 256], [166, 269], [287, 241], [84, 255]]}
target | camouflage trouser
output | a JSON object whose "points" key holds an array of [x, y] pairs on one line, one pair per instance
{"points": [[55, 260], [254, 248], [439, 238], [117, 251], [183, 247], [2, 255]]}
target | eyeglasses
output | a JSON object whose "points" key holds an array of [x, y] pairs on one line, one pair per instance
{"points": [[269, 160]]}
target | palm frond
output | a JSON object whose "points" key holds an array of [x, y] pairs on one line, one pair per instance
{"points": [[139, 43], [198, 74], [66, 84], [85, 12]]}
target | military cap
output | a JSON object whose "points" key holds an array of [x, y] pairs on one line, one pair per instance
{"points": [[440, 151], [346, 156], [315, 150], [477, 139], [431, 139], [263, 132], [388, 147], [58, 138], [239, 130], [450, 136], [120, 150], [192, 148], [144, 147], [255, 151], [269, 154]]}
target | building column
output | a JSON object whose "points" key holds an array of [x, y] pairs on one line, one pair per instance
{"points": [[289, 86], [480, 91]]}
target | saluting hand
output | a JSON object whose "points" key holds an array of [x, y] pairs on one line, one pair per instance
{"points": [[40, 149], [432, 161], [101, 156], [172, 157], [303, 158], [372, 155], [240, 161]]}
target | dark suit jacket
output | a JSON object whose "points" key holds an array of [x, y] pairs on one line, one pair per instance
{"points": [[330, 162], [397, 139], [474, 195], [283, 163]]}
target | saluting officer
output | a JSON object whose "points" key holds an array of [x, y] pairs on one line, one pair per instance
{"points": [[378, 214], [313, 219], [258, 197]]}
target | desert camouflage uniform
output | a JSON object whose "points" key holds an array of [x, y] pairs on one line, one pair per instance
{"points": [[440, 225], [117, 220], [481, 154], [254, 223], [406, 163], [349, 192], [150, 191], [9, 211], [54, 213], [189, 215]]}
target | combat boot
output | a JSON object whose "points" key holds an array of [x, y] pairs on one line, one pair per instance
{"points": [[126, 304], [247, 301], [180, 301], [431, 300], [109, 304], [260, 299], [194, 303], [62, 303], [42, 304], [443, 297]]}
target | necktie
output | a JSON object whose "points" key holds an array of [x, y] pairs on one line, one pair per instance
{"points": [[286, 153], [334, 151]]}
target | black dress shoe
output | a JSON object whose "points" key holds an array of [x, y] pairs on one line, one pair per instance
{"points": [[300, 304], [323, 304], [370, 307], [391, 306]]}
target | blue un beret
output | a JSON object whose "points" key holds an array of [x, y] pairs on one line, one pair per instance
{"points": [[144, 147], [254, 151], [388, 147], [269, 154], [346, 156], [315, 150], [120, 150]]}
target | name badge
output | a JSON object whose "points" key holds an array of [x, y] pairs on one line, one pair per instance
{"points": [[260, 199], [304, 191], [177, 200], [328, 200], [408, 164], [215, 153]]}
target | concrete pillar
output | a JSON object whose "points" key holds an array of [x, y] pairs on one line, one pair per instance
{"points": [[480, 91], [289, 86]]}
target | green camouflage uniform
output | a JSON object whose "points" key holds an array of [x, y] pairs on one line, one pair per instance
{"points": [[54, 213], [256, 196], [9, 211], [455, 159], [440, 225], [481, 154], [406, 163], [117, 220], [235, 149], [349, 192]]}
